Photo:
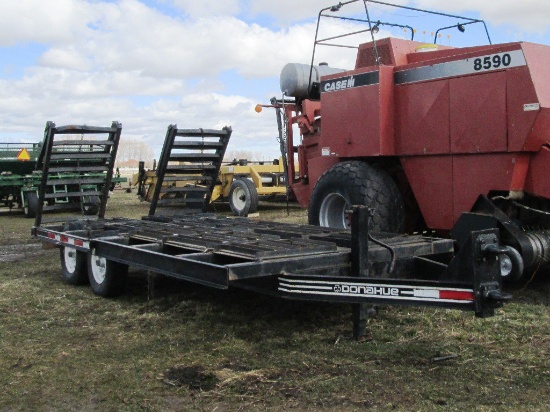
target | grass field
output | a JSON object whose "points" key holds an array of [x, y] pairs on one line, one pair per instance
{"points": [[168, 345]]}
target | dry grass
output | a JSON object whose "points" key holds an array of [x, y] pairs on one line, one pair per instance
{"points": [[170, 345]]}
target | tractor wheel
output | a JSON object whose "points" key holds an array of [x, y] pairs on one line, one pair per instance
{"points": [[90, 205], [107, 278], [31, 204], [357, 183], [73, 264], [243, 197]]}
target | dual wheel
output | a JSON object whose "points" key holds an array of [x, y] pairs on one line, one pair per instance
{"points": [[106, 277]]}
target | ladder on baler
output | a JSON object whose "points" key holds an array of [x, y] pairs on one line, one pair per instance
{"points": [[188, 167], [83, 167]]}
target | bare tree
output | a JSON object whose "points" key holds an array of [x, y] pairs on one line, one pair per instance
{"points": [[134, 149], [244, 154]]}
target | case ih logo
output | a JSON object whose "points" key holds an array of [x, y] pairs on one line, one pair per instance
{"points": [[339, 84], [349, 82]]}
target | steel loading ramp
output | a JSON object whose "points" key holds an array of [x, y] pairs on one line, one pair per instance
{"points": [[76, 172], [190, 162]]}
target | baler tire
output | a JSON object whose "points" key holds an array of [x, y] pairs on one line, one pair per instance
{"points": [[243, 197], [357, 183], [73, 264], [31, 204], [107, 277]]}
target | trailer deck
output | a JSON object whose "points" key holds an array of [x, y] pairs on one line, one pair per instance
{"points": [[291, 261]]}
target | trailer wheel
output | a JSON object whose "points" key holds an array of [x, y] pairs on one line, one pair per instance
{"points": [[90, 205], [31, 204], [107, 278], [243, 197], [356, 183], [73, 263]]}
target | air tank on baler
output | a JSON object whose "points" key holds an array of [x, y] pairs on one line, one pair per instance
{"points": [[301, 81]]}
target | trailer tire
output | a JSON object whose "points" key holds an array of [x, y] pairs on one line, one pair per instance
{"points": [[107, 277], [31, 204], [243, 197], [90, 205], [357, 183], [73, 263]]}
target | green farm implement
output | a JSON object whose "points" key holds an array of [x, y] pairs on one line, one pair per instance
{"points": [[79, 170]]}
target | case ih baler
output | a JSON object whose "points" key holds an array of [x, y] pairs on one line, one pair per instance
{"points": [[423, 133]]}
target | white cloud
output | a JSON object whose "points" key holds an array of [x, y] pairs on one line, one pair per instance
{"points": [[69, 57], [75, 84], [529, 15], [43, 21], [123, 60], [128, 35], [286, 11], [196, 8]]}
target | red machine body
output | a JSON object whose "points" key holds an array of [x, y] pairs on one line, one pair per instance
{"points": [[458, 123]]}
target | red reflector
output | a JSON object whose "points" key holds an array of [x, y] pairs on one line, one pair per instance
{"points": [[64, 239], [456, 295], [51, 236], [78, 242]]}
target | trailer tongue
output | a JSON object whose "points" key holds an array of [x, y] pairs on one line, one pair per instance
{"points": [[291, 261]]}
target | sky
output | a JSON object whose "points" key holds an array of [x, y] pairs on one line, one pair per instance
{"points": [[194, 63]]}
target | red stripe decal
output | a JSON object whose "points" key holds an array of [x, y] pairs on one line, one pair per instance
{"points": [[456, 295]]}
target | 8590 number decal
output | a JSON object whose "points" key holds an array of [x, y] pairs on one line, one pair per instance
{"points": [[492, 62]]}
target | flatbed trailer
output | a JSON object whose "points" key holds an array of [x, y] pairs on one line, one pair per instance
{"points": [[300, 262]]}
